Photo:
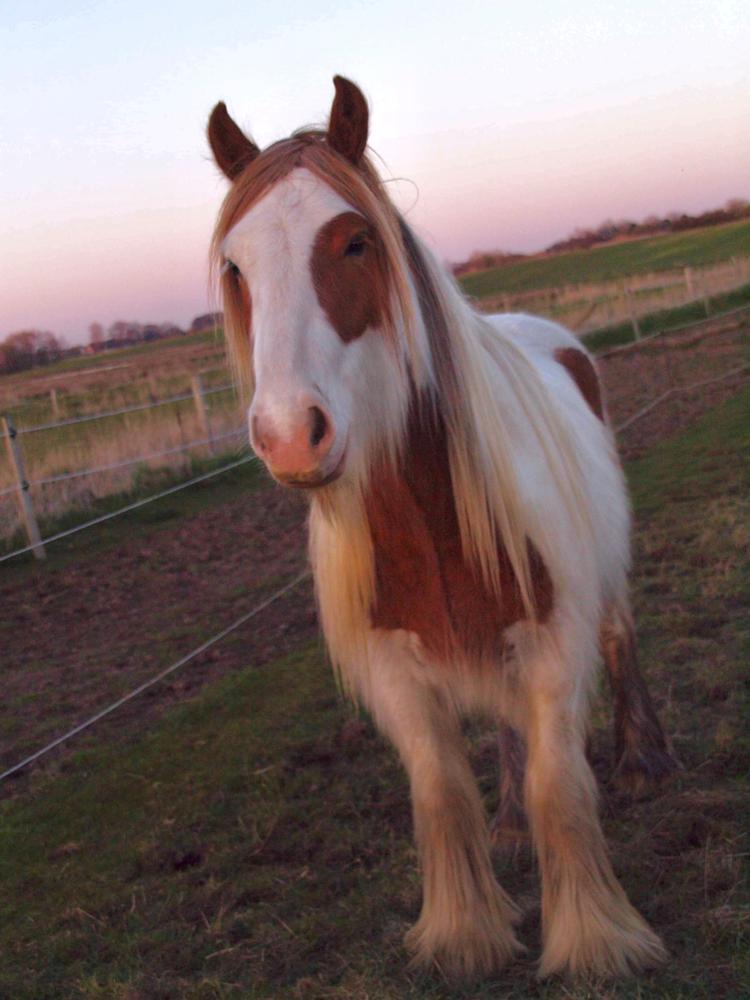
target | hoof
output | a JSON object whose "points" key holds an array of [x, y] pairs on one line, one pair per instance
{"points": [[638, 771]]}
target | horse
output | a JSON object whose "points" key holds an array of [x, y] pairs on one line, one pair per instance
{"points": [[468, 532]]}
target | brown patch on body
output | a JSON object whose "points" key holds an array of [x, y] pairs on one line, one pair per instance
{"points": [[581, 370], [348, 275], [423, 582]]}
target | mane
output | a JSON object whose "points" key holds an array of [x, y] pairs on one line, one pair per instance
{"points": [[461, 350], [486, 493]]}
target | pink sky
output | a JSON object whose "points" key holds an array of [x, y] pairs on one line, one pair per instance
{"points": [[508, 129]]}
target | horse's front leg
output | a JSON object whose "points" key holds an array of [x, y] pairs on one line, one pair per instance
{"points": [[465, 926], [588, 924]]}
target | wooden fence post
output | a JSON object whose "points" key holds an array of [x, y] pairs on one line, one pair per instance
{"points": [[202, 410], [633, 313], [688, 273], [55, 402], [24, 499], [700, 288]]}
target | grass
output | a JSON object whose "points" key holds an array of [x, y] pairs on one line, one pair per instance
{"points": [[618, 260], [256, 843], [148, 518], [110, 441]]}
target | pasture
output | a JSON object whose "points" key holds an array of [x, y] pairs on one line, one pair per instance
{"points": [[149, 390], [239, 833], [696, 247]]}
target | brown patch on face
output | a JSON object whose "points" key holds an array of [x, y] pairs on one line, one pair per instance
{"points": [[348, 275], [423, 582], [583, 373]]}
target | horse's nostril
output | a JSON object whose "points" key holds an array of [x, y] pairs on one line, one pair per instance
{"points": [[318, 426]]}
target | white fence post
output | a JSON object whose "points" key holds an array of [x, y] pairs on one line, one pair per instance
{"points": [[55, 402], [24, 499], [202, 410]]}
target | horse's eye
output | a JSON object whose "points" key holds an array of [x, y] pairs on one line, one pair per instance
{"points": [[356, 246], [231, 268]]}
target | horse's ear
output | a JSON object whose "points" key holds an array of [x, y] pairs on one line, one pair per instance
{"points": [[347, 126], [231, 147]]}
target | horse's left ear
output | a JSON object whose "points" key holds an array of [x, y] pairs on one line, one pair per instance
{"points": [[347, 126], [231, 147]]}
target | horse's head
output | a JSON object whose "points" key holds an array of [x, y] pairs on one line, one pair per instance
{"points": [[314, 290]]}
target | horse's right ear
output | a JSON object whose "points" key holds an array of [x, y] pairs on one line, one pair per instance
{"points": [[231, 147]]}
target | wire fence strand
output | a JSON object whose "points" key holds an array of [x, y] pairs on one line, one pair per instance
{"points": [[676, 391], [156, 678], [139, 458], [116, 413], [129, 507]]}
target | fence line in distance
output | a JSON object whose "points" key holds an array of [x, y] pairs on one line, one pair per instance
{"points": [[632, 344], [116, 413]]}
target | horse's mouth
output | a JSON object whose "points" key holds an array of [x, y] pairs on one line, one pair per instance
{"points": [[313, 481]]}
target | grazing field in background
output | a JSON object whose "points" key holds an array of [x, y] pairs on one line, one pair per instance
{"points": [[115, 380], [255, 841], [696, 247], [149, 373]]}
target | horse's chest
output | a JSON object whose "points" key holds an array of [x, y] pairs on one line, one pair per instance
{"points": [[423, 583]]}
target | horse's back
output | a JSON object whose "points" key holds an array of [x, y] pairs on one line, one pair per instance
{"points": [[558, 356]]}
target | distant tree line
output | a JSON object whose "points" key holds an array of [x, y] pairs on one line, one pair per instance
{"points": [[35, 348], [610, 230]]}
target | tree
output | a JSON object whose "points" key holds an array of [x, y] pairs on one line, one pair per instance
{"points": [[25, 348], [96, 333]]}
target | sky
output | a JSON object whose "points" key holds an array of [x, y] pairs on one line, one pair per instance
{"points": [[498, 125]]}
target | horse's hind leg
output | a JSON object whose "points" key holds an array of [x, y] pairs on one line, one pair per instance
{"points": [[509, 827], [641, 750], [465, 926], [588, 924]]}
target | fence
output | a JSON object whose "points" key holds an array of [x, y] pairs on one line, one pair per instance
{"points": [[297, 580], [591, 306], [21, 484], [32, 758]]}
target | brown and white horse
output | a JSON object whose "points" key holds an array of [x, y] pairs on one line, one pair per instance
{"points": [[469, 530]]}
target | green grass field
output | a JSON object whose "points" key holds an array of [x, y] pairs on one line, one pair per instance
{"points": [[665, 320], [256, 844], [695, 247]]}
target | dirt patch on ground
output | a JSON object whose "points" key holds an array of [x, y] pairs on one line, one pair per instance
{"points": [[77, 638], [635, 378]]}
